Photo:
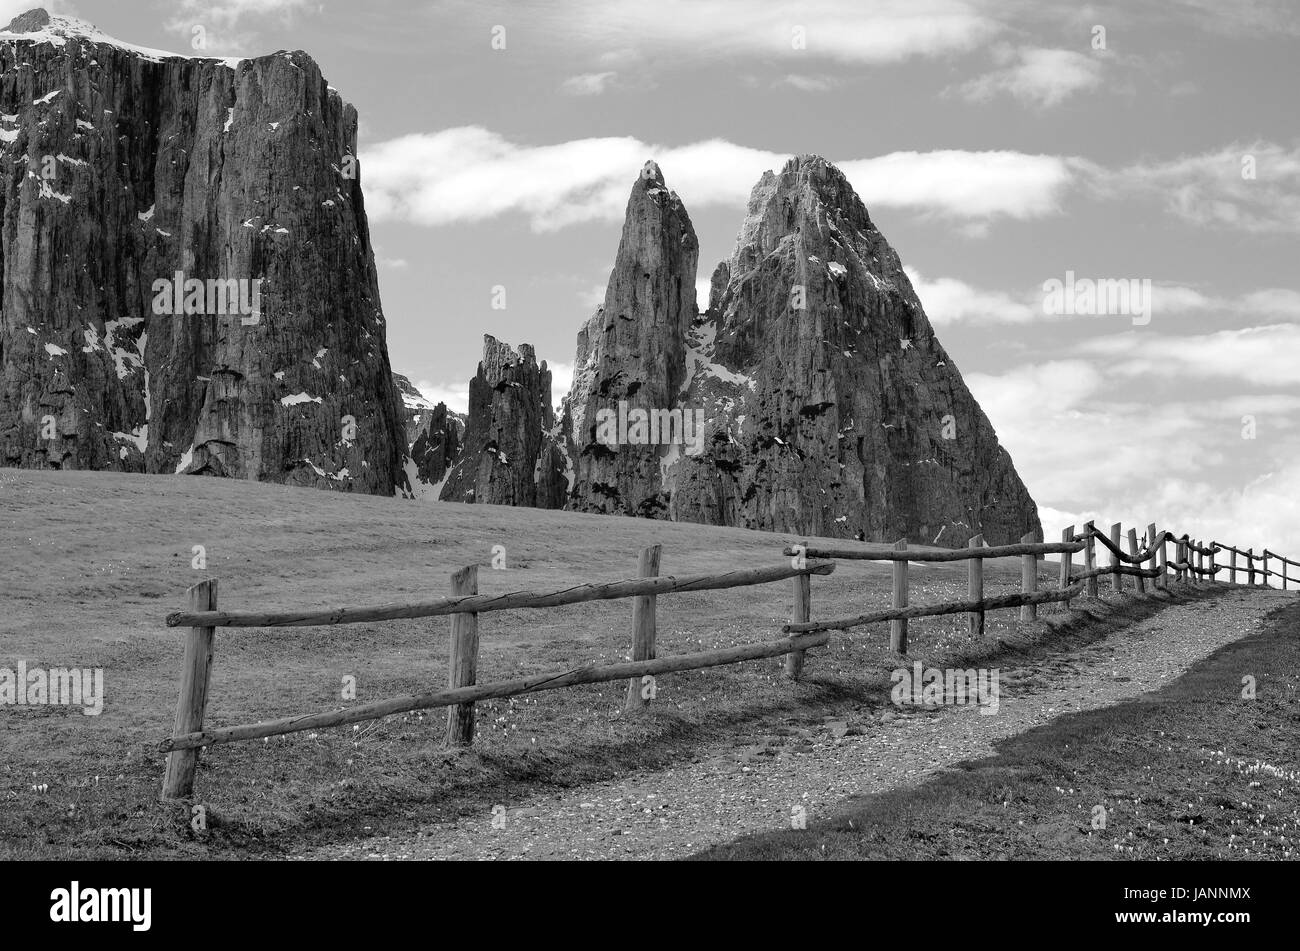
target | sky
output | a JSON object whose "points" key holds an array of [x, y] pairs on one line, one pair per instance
{"points": [[999, 146]]}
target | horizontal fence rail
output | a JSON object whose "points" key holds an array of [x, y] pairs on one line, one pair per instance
{"points": [[952, 554], [516, 600], [493, 691], [934, 610], [1193, 563]]}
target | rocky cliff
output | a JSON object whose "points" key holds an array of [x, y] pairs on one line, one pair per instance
{"points": [[832, 407], [434, 435], [811, 397], [631, 354], [509, 456], [188, 283]]}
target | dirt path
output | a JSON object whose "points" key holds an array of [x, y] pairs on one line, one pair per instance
{"points": [[672, 813]]}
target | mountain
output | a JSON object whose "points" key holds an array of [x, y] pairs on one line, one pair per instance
{"points": [[509, 455], [188, 281], [811, 397], [833, 408], [633, 349], [434, 435]]}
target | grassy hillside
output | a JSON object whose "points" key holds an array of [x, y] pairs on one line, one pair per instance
{"points": [[93, 562]]}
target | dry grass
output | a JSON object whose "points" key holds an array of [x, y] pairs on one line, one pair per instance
{"points": [[93, 562]]}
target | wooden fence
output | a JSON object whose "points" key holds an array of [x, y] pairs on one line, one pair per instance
{"points": [[1193, 563]]}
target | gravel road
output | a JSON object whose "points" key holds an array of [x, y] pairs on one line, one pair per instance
{"points": [[727, 792]]}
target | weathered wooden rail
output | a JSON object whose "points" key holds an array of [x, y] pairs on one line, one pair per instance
{"points": [[465, 605], [1193, 564]]}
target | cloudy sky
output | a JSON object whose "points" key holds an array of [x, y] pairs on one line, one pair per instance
{"points": [[997, 145]]}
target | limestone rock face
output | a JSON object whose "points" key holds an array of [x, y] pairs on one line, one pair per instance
{"points": [[509, 456], [123, 167], [433, 435], [811, 397], [632, 354], [832, 408]]}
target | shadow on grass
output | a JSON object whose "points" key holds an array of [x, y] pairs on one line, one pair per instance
{"points": [[1193, 771], [271, 801], [449, 784]]}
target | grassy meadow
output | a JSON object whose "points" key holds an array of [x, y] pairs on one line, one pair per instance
{"points": [[93, 562]]}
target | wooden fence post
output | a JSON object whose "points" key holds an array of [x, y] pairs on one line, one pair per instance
{"points": [[462, 666], [196, 674], [1067, 536], [643, 627], [898, 627], [1250, 566], [1164, 562], [1028, 577], [1232, 563], [1178, 559], [1266, 584], [1213, 576], [1132, 553], [975, 586], [801, 613], [1090, 560], [1116, 579], [1157, 562], [1283, 574]]}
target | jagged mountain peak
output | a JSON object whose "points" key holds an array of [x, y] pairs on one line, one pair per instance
{"points": [[809, 193], [652, 174], [811, 397], [651, 190], [35, 19], [503, 354]]}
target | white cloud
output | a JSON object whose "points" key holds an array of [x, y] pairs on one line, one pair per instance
{"points": [[1260, 355], [948, 301], [1274, 302], [561, 379], [963, 184], [455, 395], [1088, 445], [225, 22], [470, 174], [1212, 188], [1036, 76], [587, 84], [1252, 18], [808, 83], [703, 288], [593, 296], [845, 31], [384, 260]]}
